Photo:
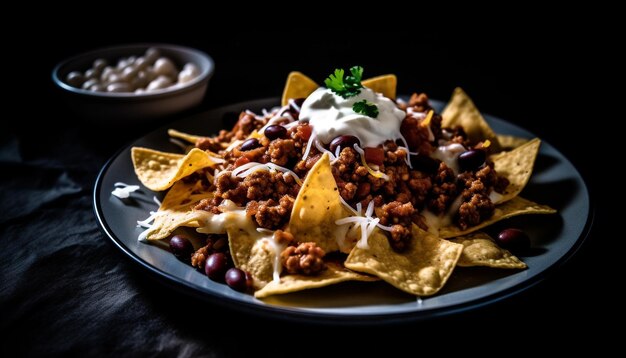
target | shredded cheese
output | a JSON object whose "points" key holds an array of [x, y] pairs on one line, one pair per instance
{"points": [[249, 168], [367, 224], [332, 156], [257, 117], [179, 144], [405, 146], [293, 104], [429, 117], [123, 190], [312, 138], [147, 225], [374, 173], [355, 212], [217, 160], [233, 145]]}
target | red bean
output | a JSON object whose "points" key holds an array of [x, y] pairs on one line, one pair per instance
{"points": [[344, 141], [216, 266], [294, 107], [236, 279], [250, 144], [424, 163], [275, 131], [472, 159], [181, 247], [515, 240]]}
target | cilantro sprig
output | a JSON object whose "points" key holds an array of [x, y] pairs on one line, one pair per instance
{"points": [[345, 87], [367, 108]]}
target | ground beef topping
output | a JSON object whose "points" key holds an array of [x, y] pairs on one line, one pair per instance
{"points": [[270, 214], [306, 259], [410, 184], [213, 244]]}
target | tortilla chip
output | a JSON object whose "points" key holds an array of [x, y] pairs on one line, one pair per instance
{"points": [[479, 249], [175, 210], [461, 111], [513, 207], [249, 250], [421, 270], [160, 170], [508, 142], [298, 86], [385, 84], [184, 136], [334, 273], [317, 207], [517, 167]]}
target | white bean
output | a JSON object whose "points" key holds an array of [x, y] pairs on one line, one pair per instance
{"points": [[92, 73], [141, 63], [107, 72], [119, 87], [164, 66], [90, 83], [140, 81], [99, 64], [140, 74], [123, 62], [115, 77], [75, 79], [97, 88], [129, 73], [189, 72], [152, 54], [159, 83]]}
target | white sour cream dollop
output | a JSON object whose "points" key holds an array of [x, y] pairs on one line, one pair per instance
{"points": [[332, 116]]}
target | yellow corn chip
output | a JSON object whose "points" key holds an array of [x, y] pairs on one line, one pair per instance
{"points": [[298, 86], [333, 274], [385, 84], [461, 111], [479, 249], [517, 167], [513, 207], [508, 142], [175, 210], [160, 170], [316, 209], [422, 269], [184, 136], [251, 250]]}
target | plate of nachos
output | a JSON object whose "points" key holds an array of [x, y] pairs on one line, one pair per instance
{"points": [[342, 199]]}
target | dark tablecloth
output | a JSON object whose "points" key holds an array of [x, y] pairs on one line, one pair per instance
{"points": [[66, 290]]}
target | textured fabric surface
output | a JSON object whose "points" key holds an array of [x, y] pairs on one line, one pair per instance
{"points": [[65, 290]]}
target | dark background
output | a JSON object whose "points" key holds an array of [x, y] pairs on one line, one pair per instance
{"points": [[64, 290]]}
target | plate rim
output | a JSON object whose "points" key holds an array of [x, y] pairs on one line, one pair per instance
{"points": [[290, 313]]}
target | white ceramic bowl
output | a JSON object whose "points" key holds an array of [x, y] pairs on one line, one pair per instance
{"points": [[120, 106]]}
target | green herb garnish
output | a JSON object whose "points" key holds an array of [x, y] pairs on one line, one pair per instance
{"points": [[367, 108], [348, 87]]}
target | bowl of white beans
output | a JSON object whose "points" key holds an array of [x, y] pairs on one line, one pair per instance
{"points": [[134, 82]]}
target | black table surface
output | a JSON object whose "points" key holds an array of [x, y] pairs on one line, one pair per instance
{"points": [[66, 290]]}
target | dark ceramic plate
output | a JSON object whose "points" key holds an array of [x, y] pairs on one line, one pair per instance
{"points": [[555, 238]]}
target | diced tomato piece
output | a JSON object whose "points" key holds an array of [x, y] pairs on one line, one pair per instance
{"points": [[305, 132], [410, 131], [241, 161], [374, 155]]}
